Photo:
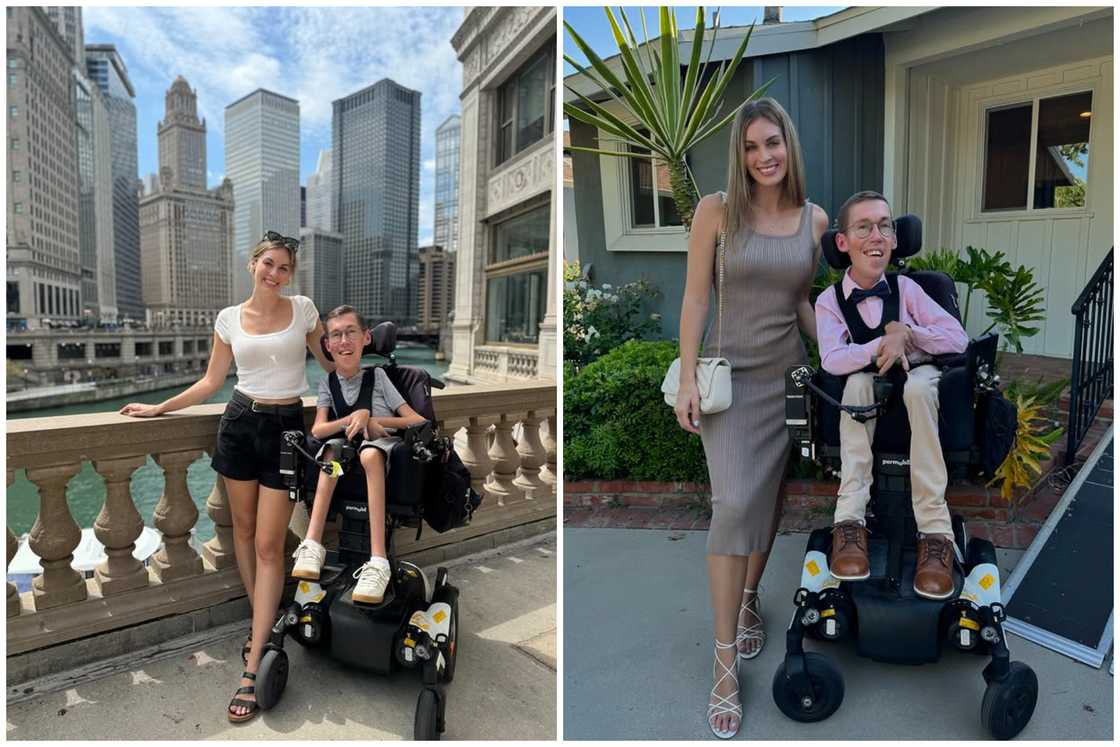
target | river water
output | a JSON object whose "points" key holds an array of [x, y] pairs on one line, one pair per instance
{"points": [[86, 491]]}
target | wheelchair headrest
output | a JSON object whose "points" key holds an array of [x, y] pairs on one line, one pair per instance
{"points": [[383, 341], [908, 230]]}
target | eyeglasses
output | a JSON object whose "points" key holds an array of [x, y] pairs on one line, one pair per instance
{"points": [[862, 229], [351, 333], [287, 241]]}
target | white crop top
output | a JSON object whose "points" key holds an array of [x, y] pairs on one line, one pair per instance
{"points": [[270, 366]]}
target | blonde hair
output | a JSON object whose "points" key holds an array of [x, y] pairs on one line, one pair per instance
{"points": [[740, 185], [264, 245]]}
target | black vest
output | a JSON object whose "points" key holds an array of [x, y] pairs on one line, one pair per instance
{"points": [[857, 329], [339, 408]]}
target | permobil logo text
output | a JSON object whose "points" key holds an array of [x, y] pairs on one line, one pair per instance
{"points": [[897, 462]]}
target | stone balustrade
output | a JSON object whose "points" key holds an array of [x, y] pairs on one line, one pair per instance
{"points": [[503, 363], [63, 605]]}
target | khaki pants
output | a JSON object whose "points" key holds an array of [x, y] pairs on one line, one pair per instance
{"points": [[928, 475]]}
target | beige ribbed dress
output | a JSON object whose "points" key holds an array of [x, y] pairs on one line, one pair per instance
{"points": [[747, 445]]}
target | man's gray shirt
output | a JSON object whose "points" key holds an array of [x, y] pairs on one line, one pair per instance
{"points": [[386, 400]]}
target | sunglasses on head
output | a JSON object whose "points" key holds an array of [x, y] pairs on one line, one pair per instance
{"points": [[287, 241]]}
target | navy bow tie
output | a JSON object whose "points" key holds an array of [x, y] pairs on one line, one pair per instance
{"points": [[881, 289]]}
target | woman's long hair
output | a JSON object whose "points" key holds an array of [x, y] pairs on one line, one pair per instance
{"points": [[740, 185]]}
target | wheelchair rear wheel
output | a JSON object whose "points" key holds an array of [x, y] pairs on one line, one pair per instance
{"points": [[272, 677], [1009, 705], [828, 689], [425, 727]]}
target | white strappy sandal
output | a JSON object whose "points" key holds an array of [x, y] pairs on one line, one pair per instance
{"points": [[754, 631], [725, 704]]}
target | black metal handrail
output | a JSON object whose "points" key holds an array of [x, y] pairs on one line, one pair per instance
{"points": [[1091, 381]]}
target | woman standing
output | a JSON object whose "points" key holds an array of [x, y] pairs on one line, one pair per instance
{"points": [[771, 251], [267, 336]]}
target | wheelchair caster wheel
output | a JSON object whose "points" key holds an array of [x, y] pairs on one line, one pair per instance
{"points": [[1009, 705], [272, 677], [826, 683], [427, 726]]}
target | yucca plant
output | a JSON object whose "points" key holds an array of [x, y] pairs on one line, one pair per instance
{"points": [[677, 112]]}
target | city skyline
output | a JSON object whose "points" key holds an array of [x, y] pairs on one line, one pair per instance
{"points": [[226, 53]]}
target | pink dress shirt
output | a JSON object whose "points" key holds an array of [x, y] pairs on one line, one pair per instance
{"points": [[935, 331]]}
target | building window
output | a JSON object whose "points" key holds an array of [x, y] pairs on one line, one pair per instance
{"points": [[13, 111], [651, 196], [517, 277], [106, 350], [19, 207], [13, 297], [525, 106], [1037, 153], [17, 176]]}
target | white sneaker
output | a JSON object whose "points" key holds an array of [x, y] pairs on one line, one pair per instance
{"points": [[372, 577], [309, 560]]}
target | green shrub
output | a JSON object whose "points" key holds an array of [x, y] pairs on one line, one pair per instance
{"points": [[617, 425]]}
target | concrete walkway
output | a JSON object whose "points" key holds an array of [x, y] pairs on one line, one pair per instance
{"points": [[504, 688], [638, 657]]}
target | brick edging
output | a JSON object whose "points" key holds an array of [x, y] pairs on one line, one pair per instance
{"points": [[808, 504]]}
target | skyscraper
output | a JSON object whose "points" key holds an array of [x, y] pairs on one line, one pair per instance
{"points": [[182, 139], [375, 148], [319, 271], [186, 231], [43, 245], [95, 202], [262, 161], [320, 203], [107, 70], [68, 20], [446, 222]]}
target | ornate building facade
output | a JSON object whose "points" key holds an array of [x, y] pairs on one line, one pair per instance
{"points": [[506, 265]]}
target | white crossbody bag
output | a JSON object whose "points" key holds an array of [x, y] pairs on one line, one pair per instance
{"points": [[713, 375]]}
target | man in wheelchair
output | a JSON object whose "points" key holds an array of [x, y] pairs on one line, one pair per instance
{"points": [[867, 324], [354, 403]]}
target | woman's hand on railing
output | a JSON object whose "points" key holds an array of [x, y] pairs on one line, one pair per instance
{"points": [[140, 410], [688, 405]]}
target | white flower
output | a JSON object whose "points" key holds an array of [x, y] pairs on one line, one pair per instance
{"points": [[592, 332]]}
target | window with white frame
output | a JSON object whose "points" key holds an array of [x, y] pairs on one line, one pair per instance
{"points": [[517, 277], [651, 194], [1036, 153]]}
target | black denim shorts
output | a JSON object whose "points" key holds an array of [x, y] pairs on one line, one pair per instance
{"points": [[249, 441]]}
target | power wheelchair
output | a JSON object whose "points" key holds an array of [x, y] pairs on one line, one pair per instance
{"points": [[416, 624], [887, 620]]}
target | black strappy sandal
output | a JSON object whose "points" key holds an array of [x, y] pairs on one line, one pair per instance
{"points": [[254, 709]]}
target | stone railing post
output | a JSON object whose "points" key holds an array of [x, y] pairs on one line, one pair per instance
{"points": [[218, 550], [13, 545], [532, 456], [53, 539], [117, 527], [476, 456], [13, 593], [503, 453], [174, 516], [548, 471]]}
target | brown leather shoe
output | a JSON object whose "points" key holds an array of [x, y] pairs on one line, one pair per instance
{"points": [[933, 578], [849, 551]]}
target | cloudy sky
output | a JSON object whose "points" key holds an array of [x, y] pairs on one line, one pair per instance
{"points": [[311, 54]]}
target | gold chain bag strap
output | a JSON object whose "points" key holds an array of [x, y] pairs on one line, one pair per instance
{"points": [[713, 375]]}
